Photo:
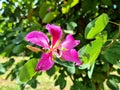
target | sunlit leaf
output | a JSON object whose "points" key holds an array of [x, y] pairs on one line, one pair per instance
{"points": [[71, 25], [28, 70], [90, 52], [50, 16], [96, 26], [70, 4], [90, 71]]}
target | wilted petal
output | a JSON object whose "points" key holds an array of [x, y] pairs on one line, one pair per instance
{"points": [[38, 38], [69, 42], [45, 62], [55, 31], [72, 56]]}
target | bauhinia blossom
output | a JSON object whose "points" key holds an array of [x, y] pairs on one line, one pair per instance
{"points": [[60, 48]]}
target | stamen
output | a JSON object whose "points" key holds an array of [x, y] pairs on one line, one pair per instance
{"points": [[56, 44], [58, 53]]}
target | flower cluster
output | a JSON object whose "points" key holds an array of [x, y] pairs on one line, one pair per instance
{"points": [[60, 48]]}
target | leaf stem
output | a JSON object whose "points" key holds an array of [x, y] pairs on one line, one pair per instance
{"points": [[115, 39], [114, 23]]}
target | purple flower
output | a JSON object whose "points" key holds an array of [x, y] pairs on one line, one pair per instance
{"points": [[62, 49]]}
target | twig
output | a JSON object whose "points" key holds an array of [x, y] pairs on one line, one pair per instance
{"points": [[115, 39]]}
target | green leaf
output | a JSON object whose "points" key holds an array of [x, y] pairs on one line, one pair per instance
{"points": [[77, 86], [35, 26], [69, 32], [60, 81], [11, 34], [44, 8], [90, 71], [70, 4], [51, 71], [106, 67], [20, 27], [74, 2], [106, 2], [96, 26], [71, 70], [71, 25], [6, 65], [19, 38], [50, 16], [64, 63], [2, 69], [90, 52], [9, 63], [28, 70], [69, 65], [112, 54], [89, 5], [98, 76], [118, 71], [103, 35], [112, 84], [14, 72], [115, 78], [33, 82], [9, 48], [17, 49]]}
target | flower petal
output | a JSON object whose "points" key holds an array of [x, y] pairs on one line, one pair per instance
{"points": [[45, 62], [72, 56], [69, 42], [38, 38], [55, 31]]}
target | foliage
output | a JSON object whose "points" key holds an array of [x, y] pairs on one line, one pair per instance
{"points": [[94, 22]]}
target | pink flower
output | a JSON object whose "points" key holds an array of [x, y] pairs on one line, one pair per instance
{"points": [[48, 9], [62, 49]]}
